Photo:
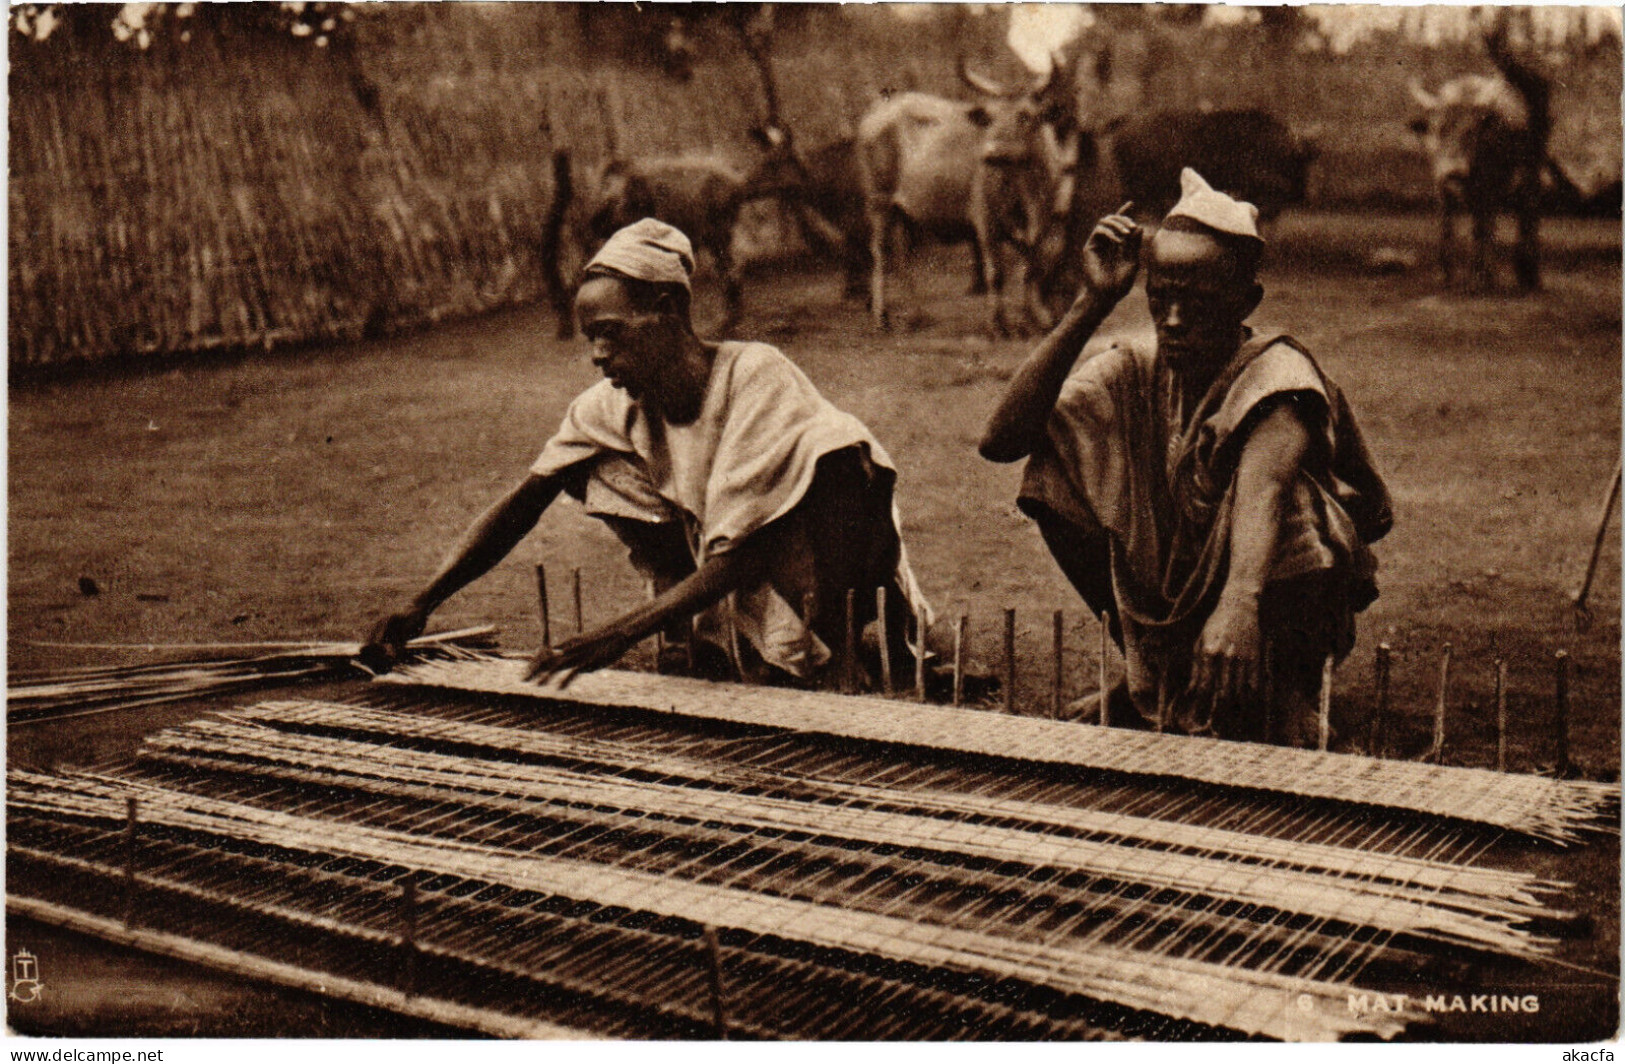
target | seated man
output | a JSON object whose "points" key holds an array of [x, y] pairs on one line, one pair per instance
{"points": [[740, 492], [1213, 497]]}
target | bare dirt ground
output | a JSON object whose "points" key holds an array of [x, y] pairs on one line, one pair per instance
{"points": [[298, 494]]}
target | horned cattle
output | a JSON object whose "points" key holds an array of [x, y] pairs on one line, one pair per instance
{"points": [[1024, 185], [1485, 138], [831, 195], [987, 171]]}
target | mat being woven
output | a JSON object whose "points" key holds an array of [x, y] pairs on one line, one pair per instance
{"points": [[1551, 809]]}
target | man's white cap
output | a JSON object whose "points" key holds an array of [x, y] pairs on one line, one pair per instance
{"points": [[647, 250], [1202, 204]]}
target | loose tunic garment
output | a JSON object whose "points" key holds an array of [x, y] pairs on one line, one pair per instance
{"points": [[1148, 488], [746, 461]]}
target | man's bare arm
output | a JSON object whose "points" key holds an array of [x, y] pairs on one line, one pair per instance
{"points": [[745, 565], [1111, 258], [487, 541], [1229, 655], [1022, 416]]}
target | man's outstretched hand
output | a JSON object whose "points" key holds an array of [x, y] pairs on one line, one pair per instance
{"points": [[1229, 666], [584, 653], [385, 644]]}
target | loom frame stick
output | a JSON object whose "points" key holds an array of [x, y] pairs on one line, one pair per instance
{"points": [[1058, 649], [541, 606], [922, 629], [960, 624], [1500, 715], [849, 659], [1561, 723], [884, 631], [132, 844], [1435, 752], [1324, 718], [719, 1007], [575, 595], [1105, 691], [1378, 743], [1009, 660]]}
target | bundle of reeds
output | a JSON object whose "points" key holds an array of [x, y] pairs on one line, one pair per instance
{"points": [[94, 689]]}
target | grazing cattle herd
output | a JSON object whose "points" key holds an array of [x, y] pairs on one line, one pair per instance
{"points": [[1021, 173]]}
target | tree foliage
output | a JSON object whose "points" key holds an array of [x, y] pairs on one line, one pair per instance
{"points": [[144, 25]]}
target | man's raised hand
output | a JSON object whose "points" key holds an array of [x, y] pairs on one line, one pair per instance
{"points": [[1111, 257]]}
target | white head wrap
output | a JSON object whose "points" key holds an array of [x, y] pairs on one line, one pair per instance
{"points": [[1201, 203], [647, 250]]}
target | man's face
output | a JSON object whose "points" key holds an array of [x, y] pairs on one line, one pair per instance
{"points": [[629, 346], [1198, 297]]}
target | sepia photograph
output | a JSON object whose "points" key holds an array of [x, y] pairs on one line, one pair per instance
{"points": [[811, 522]]}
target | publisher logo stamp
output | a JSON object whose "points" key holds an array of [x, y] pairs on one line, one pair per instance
{"points": [[25, 978]]}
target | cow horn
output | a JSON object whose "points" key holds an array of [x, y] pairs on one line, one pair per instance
{"points": [[985, 86], [1422, 96]]}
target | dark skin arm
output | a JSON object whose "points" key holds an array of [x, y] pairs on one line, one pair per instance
{"points": [[742, 566], [1111, 259], [1229, 655], [486, 542]]}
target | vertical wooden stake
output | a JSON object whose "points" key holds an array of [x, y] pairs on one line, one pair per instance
{"points": [[541, 604], [885, 641], [809, 611], [693, 641], [409, 937], [1379, 717], [849, 670], [921, 630], [131, 822], [730, 608], [1437, 753], [660, 633], [1162, 703], [959, 657], [575, 590], [1009, 660], [1105, 691], [1326, 701], [1562, 723], [1500, 715], [1057, 682], [719, 1013]]}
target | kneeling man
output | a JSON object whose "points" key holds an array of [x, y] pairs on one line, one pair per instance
{"points": [[1213, 496], [746, 498]]}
